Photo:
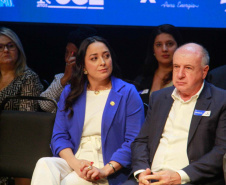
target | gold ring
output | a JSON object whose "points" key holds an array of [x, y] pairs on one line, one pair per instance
{"points": [[89, 167]]}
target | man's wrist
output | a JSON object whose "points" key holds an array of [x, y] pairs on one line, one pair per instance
{"points": [[137, 173], [184, 176]]}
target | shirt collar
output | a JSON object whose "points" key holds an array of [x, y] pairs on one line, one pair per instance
{"points": [[175, 95]]}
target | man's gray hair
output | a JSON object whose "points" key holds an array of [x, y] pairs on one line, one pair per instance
{"points": [[205, 57], [204, 53]]}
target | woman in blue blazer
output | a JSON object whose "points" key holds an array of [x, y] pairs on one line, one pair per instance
{"points": [[98, 117]]}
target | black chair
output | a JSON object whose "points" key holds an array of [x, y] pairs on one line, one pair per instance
{"points": [[24, 138]]}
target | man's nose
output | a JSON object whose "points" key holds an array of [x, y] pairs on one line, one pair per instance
{"points": [[181, 73]]}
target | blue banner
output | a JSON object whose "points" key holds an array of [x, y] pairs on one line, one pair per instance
{"points": [[181, 13]]}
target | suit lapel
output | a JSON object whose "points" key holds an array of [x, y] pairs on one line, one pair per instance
{"points": [[203, 103]]}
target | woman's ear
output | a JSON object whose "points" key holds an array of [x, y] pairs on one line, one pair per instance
{"points": [[85, 71]]}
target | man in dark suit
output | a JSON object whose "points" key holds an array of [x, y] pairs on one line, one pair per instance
{"points": [[217, 77], [183, 139]]}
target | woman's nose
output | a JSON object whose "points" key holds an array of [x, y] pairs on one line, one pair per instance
{"points": [[164, 47], [103, 61], [6, 48]]}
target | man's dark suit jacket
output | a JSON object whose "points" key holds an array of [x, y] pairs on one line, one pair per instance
{"points": [[206, 141], [217, 77]]}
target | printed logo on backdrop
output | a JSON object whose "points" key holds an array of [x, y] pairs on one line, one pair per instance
{"points": [[71, 4], [145, 1], [6, 3], [223, 2], [175, 4]]}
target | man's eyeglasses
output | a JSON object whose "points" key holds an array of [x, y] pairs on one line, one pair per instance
{"points": [[10, 46]]}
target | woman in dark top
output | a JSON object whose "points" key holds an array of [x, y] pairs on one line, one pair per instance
{"points": [[157, 69]]}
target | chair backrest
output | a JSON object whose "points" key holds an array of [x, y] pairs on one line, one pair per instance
{"points": [[24, 138]]}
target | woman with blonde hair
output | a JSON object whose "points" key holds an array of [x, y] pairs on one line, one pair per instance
{"points": [[16, 79]]}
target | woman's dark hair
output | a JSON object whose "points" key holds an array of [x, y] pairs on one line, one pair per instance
{"points": [[151, 64], [79, 79]]}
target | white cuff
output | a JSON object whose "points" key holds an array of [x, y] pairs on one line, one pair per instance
{"points": [[137, 173], [184, 176]]}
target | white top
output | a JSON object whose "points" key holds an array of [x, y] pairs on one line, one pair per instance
{"points": [[95, 104]]}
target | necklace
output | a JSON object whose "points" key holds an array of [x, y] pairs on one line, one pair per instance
{"points": [[96, 92]]}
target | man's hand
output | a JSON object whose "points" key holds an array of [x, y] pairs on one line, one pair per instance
{"points": [[143, 180], [165, 178]]}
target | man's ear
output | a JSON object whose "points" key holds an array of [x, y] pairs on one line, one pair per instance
{"points": [[205, 71]]}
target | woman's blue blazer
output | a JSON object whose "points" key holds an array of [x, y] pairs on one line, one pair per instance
{"points": [[122, 119]]}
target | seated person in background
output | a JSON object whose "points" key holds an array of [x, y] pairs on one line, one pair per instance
{"points": [[217, 77], [99, 115], [55, 89], [16, 79], [157, 69], [183, 139]]}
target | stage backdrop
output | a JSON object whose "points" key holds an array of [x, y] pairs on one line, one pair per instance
{"points": [[181, 13]]}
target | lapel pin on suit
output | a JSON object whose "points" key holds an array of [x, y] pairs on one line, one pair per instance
{"points": [[112, 103]]}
